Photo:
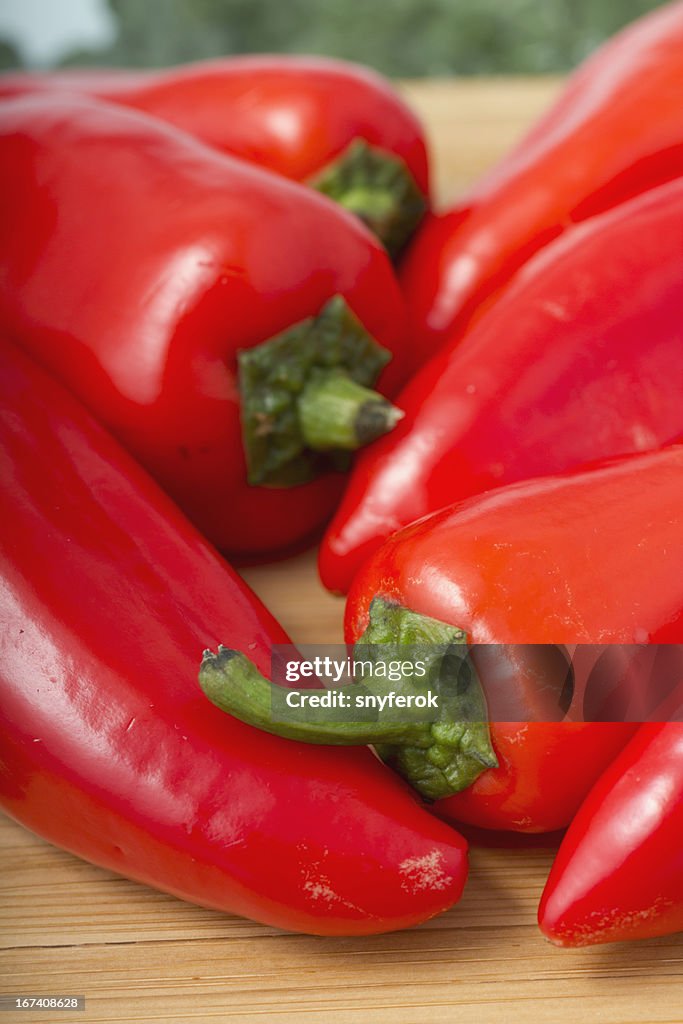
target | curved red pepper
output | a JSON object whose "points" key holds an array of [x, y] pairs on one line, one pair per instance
{"points": [[139, 266], [109, 747], [579, 360], [614, 132], [619, 872], [297, 116], [591, 558]]}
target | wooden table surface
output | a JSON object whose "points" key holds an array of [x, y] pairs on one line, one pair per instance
{"points": [[138, 955]]}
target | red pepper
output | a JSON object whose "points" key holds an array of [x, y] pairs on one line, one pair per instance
{"points": [[619, 872], [197, 304], [579, 360], [109, 748], [614, 132], [544, 771], [335, 125], [590, 558]]}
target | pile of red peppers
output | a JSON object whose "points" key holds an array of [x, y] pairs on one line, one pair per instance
{"points": [[228, 320]]}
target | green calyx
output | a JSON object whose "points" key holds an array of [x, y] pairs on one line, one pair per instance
{"points": [[456, 747], [378, 187], [306, 397], [439, 752]]}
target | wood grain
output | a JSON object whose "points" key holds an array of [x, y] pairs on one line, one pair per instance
{"points": [[138, 955]]}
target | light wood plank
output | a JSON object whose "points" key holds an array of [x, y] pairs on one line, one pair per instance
{"points": [[470, 122]]}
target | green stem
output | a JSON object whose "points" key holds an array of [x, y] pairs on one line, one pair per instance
{"points": [[438, 754], [233, 683], [378, 187], [306, 397], [335, 412]]}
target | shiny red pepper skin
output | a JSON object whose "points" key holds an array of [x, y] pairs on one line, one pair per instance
{"points": [[618, 874], [579, 360], [136, 263], [109, 747], [590, 558], [293, 115], [544, 771], [614, 132]]}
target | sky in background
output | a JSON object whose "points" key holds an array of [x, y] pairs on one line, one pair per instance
{"points": [[45, 30]]}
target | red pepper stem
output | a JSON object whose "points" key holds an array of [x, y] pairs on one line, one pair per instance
{"points": [[439, 753], [306, 397], [378, 187], [233, 683], [337, 413]]}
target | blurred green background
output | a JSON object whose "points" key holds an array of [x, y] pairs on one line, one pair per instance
{"points": [[406, 38]]}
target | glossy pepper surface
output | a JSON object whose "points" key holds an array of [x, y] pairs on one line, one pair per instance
{"points": [[588, 558], [221, 321], [335, 125], [578, 360], [109, 748], [618, 874], [614, 132]]}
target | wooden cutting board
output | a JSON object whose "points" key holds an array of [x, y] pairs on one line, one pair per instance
{"points": [[137, 955]]}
